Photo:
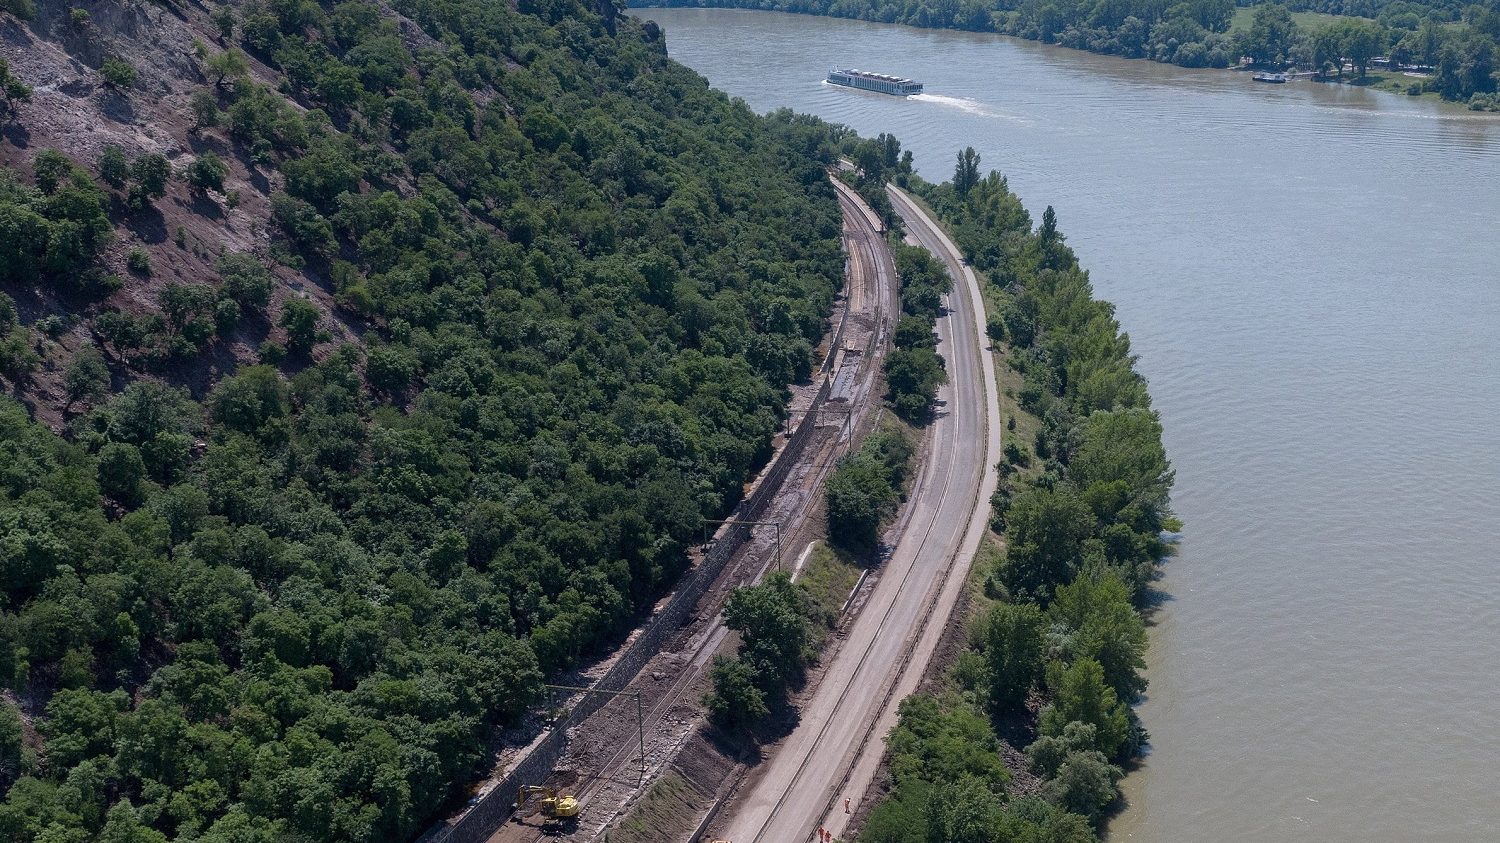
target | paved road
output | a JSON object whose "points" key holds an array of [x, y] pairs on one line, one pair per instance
{"points": [[833, 752], [604, 753]]}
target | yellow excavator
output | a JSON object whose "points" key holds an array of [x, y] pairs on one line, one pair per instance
{"points": [[553, 806]]}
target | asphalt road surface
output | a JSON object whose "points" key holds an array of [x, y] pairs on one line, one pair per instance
{"points": [[603, 753], [834, 751]]}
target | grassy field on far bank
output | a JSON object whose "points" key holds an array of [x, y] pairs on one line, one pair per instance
{"points": [[1244, 15]]}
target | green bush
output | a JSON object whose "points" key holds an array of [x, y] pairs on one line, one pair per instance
{"points": [[228, 66], [223, 18], [55, 231], [299, 318], [87, 377], [138, 260], [736, 701], [1011, 638], [912, 377], [23, 9], [50, 168], [863, 490], [205, 108], [1080, 694], [121, 472], [302, 223], [117, 73], [1084, 784], [17, 357], [113, 168], [271, 353], [207, 172], [12, 90], [246, 279], [390, 368]]}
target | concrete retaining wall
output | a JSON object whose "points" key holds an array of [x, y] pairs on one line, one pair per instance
{"points": [[493, 809]]}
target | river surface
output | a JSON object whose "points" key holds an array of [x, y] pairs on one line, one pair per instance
{"points": [[1309, 273]]}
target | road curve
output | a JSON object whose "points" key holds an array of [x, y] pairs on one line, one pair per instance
{"points": [[609, 782], [831, 755]]}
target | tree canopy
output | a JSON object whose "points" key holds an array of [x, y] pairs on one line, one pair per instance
{"points": [[1059, 644], [301, 603]]}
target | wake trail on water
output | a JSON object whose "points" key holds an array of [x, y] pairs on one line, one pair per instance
{"points": [[968, 105]]}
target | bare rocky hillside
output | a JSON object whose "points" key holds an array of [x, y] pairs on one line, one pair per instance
{"points": [[73, 109]]}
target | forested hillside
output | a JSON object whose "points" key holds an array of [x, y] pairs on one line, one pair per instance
{"points": [[365, 366], [1455, 42]]}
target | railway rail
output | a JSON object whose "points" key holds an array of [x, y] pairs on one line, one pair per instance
{"points": [[611, 771]]}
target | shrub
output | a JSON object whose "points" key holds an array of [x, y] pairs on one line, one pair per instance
{"points": [[1083, 696], [271, 353], [299, 318], [17, 358], [117, 73], [248, 400], [1085, 784], [52, 325], [390, 368], [205, 108], [913, 376], [207, 172], [302, 223], [12, 90], [735, 700], [87, 377], [23, 9], [113, 167], [139, 261], [228, 66], [223, 18], [121, 472], [1015, 453], [226, 317], [150, 173], [50, 166], [1012, 636], [246, 280]]}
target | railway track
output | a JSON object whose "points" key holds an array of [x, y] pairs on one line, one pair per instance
{"points": [[866, 325], [831, 755]]}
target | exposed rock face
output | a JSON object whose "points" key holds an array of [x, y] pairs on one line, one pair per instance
{"points": [[73, 109]]}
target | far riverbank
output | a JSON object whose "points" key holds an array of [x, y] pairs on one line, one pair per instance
{"points": [[1228, 46], [1299, 266]]}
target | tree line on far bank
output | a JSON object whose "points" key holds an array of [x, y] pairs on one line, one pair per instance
{"points": [[1458, 41]]}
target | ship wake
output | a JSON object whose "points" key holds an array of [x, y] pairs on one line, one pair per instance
{"points": [[965, 104]]}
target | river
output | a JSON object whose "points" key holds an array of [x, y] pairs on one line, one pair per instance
{"points": [[1308, 272]]}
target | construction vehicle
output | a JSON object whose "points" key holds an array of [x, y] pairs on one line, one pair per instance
{"points": [[554, 807]]}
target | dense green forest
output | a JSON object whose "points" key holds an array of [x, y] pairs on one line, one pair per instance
{"points": [[1057, 641], [300, 606], [1457, 40]]}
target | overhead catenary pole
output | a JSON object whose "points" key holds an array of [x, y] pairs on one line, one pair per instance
{"points": [[741, 522], [640, 716]]}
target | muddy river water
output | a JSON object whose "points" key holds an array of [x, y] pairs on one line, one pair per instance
{"points": [[1311, 276]]}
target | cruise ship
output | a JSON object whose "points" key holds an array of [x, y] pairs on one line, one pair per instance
{"points": [[879, 82]]}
